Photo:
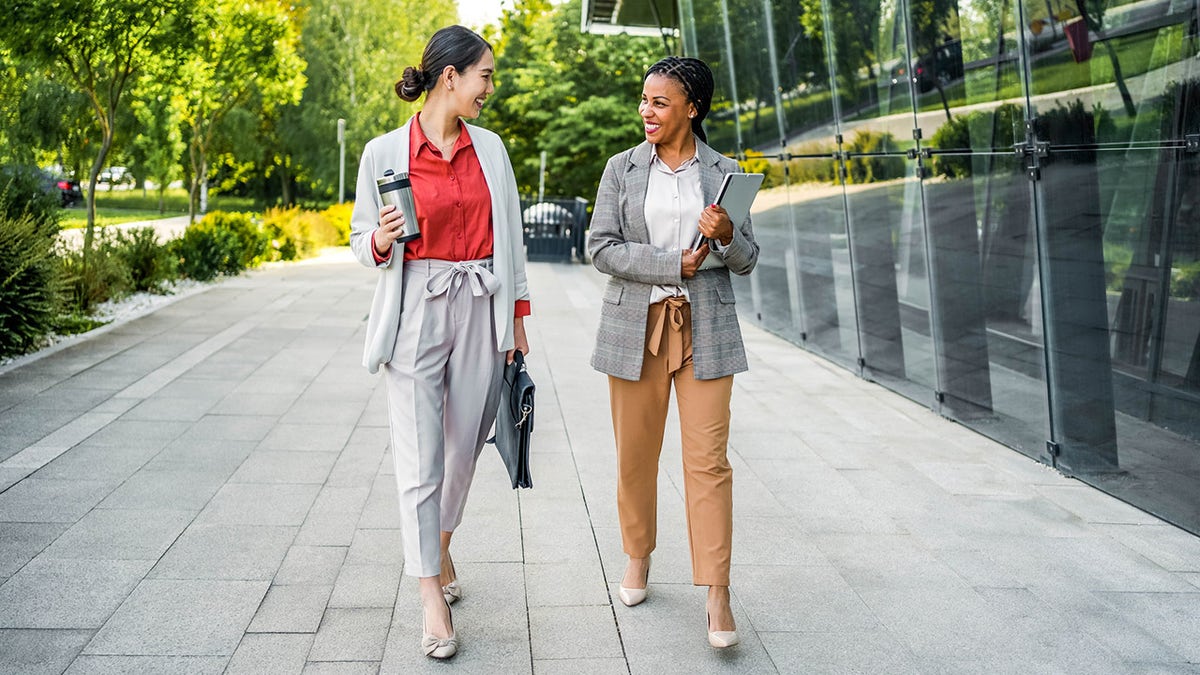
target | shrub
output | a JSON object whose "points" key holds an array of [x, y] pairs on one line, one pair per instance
{"points": [[955, 134], [222, 243], [204, 252], [23, 192], [294, 233], [338, 216], [149, 263], [983, 131], [813, 169], [1185, 281], [872, 168], [28, 282], [105, 277], [252, 243]]}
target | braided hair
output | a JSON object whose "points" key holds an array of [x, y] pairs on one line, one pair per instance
{"points": [[697, 80], [451, 46]]}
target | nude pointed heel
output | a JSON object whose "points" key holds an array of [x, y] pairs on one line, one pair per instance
{"points": [[634, 596], [720, 638], [435, 647]]}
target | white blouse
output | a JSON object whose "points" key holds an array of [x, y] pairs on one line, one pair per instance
{"points": [[673, 204]]}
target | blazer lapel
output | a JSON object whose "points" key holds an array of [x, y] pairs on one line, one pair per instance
{"points": [[710, 171], [637, 178]]}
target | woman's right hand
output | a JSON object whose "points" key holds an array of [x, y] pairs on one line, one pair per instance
{"points": [[691, 261], [391, 228]]}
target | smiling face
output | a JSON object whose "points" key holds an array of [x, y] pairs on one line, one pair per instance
{"points": [[473, 85], [665, 110]]}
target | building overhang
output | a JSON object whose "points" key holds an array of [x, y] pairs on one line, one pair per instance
{"points": [[650, 18]]}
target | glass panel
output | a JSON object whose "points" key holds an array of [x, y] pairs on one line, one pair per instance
{"points": [[875, 80], [1116, 108], [979, 220]]}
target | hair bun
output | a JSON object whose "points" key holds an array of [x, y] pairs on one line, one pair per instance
{"points": [[412, 84]]}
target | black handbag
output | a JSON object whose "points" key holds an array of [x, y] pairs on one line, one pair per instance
{"points": [[514, 421]]}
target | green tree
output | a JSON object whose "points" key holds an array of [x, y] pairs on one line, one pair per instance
{"points": [[99, 46], [242, 47], [158, 109], [356, 51], [572, 94]]}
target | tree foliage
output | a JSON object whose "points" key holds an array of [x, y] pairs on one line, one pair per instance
{"points": [[242, 48], [98, 46], [572, 94]]}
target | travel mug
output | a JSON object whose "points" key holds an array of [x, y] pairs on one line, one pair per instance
{"points": [[395, 189]]}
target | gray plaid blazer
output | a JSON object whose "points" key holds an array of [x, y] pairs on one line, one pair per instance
{"points": [[619, 246]]}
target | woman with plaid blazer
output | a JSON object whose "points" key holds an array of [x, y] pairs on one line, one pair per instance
{"points": [[668, 320]]}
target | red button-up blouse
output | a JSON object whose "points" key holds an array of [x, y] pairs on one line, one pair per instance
{"points": [[454, 205]]}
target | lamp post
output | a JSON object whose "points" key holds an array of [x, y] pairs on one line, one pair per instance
{"points": [[341, 160]]}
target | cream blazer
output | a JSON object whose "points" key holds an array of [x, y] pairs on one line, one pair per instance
{"points": [[391, 151]]}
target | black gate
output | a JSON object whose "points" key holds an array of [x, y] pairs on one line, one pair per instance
{"points": [[554, 229]]}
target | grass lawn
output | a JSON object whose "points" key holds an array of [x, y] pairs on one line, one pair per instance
{"points": [[125, 206]]}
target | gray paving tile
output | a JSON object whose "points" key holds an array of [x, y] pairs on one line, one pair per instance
{"points": [[144, 434], [611, 666], [1173, 618], [335, 499], [169, 408], [20, 542], [375, 547], [232, 427], [180, 618], [225, 552], [97, 462], [307, 410], [33, 652], [299, 437], [796, 598], [351, 635], [281, 466], [291, 609], [838, 652], [123, 665], [328, 529], [573, 632], [565, 584], [366, 586], [36, 500], [171, 490], [216, 457], [259, 504], [341, 668], [311, 565], [280, 654], [50, 593], [244, 403], [120, 534]]}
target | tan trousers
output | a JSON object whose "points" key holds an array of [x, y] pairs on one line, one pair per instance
{"points": [[639, 412]]}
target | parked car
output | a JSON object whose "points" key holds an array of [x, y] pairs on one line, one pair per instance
{"points": [[115, 175], [942, 66], [67, 190]]}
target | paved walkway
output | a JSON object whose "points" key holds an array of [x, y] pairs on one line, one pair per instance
{"points": [[208, 489]]}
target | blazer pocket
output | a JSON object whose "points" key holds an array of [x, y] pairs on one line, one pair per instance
{"points": [[612, 293], [725, 294]]}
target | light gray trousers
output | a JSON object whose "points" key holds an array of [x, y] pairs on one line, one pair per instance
{"points": [[443, 385]]}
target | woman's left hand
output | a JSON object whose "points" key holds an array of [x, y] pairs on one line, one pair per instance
{"points": [[715, 224], [520, 340]]}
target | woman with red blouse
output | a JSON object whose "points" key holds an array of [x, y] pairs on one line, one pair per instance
{"points": [[449, 306]]}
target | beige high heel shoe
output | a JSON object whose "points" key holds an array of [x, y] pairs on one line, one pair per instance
{"points": [[436, 647], [720, 638], [635, 596], [452, 591]]}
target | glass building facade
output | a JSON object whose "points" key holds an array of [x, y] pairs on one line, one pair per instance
{"points": [[988, 206]]}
